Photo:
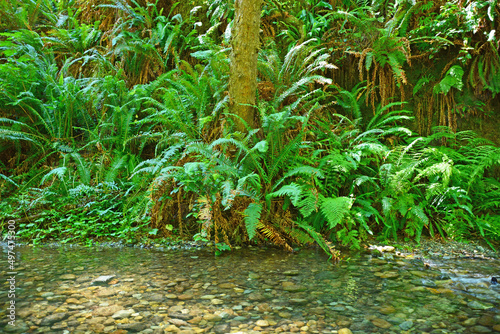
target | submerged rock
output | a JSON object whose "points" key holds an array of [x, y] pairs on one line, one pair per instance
{"points": [[102, 280]]}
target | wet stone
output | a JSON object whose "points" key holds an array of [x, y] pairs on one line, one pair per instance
{"points": [[381, 323], [106, 311], [406, 325], [480, 329], [102, 280], [123, 314], [475, 305], [67, 277], [133, 327], [53, 318]]}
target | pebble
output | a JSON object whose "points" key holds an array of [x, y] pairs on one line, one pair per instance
{"points": [[262, 323], [53, 318], [381, 323], [67, 277], [123, 314], [344, 331]]}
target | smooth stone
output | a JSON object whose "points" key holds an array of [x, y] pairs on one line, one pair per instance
{"points": [[344, 331], [227, 285], [185, 297], [106, 311], [253, 276], [406, 325], [487, 320], [387, 309], [470, 322], [222, 329], [216, 301], [480, 329], [381, 323], [123, 314], [181, 316], [135, 326], [475, 305], [262, 323], [171, 329], [212, 317], [178, 322], [73, 301], [256, 296], [208, 297], [20, 327], [102, 280], [47, 294], [291, 273], [67, 277], [53, 318]]}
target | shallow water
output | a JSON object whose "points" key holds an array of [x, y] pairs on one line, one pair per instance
{"points": [[247, 291]]}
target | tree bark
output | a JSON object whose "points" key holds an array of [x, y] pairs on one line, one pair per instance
{"points": [[245, 48]]}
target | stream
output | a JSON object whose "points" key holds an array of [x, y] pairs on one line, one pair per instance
{"points": [[251, 290]]}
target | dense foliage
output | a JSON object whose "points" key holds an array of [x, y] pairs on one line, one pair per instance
{"points": [[115, 123]]}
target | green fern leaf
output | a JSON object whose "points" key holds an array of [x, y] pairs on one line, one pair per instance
{"points": [[252, 216], [334, 209], [292, 190]]}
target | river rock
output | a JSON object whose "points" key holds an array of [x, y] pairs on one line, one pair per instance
{"points": [[406, 325], [185, 296], [262, 323], [20, 327], [178, 322], [123, 314], [53, 318], [208, 297], [212, 317], [67, 277], [291, 273], [106, 311], [388, 309], [381, 323], [181, 316], [294, 288], [102, 280], [480, 329], [344, 331], [222, 329], [216, 301], [133, 327], [475, 305]]}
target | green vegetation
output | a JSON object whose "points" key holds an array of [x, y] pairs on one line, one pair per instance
{"points": [[115, 122]]}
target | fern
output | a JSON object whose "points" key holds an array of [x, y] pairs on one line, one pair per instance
{"points": [[292, 190], [252, 218], [335, 209]]}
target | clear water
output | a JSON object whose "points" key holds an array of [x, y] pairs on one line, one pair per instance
{"points": [[247, 291]]}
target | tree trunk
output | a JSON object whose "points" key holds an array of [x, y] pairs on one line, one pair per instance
{"points": [[245, 48]]}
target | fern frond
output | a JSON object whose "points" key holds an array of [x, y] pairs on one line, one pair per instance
{"points": [[252, 218], [292, 190], [334, 209], [58, 172]]}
